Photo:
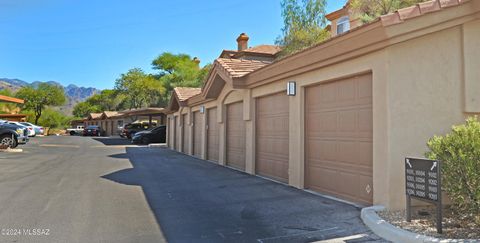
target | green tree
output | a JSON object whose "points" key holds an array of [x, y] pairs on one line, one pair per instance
{"points": [[50, 118], [36, 99], [82, 109], [304, 25], [369, 10], [107, 100], [179, 70], [139, 89]]}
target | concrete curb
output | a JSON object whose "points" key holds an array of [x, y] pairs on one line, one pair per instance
{"points": [[391, 233]]}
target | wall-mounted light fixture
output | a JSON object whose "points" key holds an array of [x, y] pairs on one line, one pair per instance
{"points": [[202, 109], [291, 88]]}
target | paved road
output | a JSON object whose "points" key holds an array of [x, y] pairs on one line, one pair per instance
{"points": [[99, 190]]}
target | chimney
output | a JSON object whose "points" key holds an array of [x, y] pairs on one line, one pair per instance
{"points": [[196, 60], [242, 41]]}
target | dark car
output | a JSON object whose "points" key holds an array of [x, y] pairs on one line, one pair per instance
{"points": [[93, 131], [130, 129], [12, 135], [155, 135]]}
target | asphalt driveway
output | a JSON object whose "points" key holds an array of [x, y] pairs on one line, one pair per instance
{"points": [[198, 201], [106, 190]]}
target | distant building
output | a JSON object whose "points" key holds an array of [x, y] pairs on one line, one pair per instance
{"points": [[343, 20]]}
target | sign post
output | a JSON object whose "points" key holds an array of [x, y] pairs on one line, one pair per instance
{"points": [[423, 182]]}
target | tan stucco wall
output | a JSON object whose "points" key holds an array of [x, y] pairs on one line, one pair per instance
{"points": [[425, 98], [471, 53], [421, 87]]}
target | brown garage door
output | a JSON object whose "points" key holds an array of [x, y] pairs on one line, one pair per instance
{"points": [[338, 138], [174, 132], [184, 133], [212, 135], [177, 133], [197, 134], [272, 137], [235, 136]]}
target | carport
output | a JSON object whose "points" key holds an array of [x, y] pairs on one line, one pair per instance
{"points": [[149, 112], [12, 116]]}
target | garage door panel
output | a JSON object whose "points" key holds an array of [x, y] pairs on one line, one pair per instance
{"points": [[184, 133], [177, 133], [345, 93], [351, 187], [346, 121], [365, 152], [212, 137], [338, 138], [365, 122], [275, 146], [197, 134], [272, 124], [365, 89], [235, 136]]}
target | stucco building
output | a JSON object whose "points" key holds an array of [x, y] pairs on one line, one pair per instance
{"points": [[359, 103]]}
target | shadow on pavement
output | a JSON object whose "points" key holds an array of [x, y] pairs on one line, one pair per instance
{"points": [[112, 141], [197, 201]]}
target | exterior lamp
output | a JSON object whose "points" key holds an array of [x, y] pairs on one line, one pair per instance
{"points": [[291, 88], [202, 109]]}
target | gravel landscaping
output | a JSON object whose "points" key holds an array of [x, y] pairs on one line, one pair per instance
{"points": [[423, 222]]}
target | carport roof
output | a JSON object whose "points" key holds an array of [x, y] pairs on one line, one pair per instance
{"points": [[9, 99], [150, 111]]}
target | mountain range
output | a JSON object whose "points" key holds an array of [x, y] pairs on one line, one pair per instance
{"points": [[73, 93]]}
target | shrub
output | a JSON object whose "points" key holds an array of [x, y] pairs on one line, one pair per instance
{"points": [[459, 152]]}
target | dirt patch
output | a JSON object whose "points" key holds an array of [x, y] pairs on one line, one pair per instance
{"points": [[455, 226]]}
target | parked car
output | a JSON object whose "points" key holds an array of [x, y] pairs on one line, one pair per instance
{"points": [[31, 132], [38, 129], [93, 131], [74, 131], [12, 135], [155, 135], [130, 129]]}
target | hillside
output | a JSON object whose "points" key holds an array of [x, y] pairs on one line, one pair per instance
{"points": [[74, 93]]}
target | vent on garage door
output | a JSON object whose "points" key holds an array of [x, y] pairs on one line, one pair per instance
{"points": [[338, 138], [235, 136], [272, 137]]}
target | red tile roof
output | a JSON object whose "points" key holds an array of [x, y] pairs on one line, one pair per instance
{"points": [[111, 113], [95, 115], [183, 93], [269, 50], [265, 49], [240, 67], [419, 9]]}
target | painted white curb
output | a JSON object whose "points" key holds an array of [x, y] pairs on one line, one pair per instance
{"points": [[9, 150], [157, 145], [389, 232]]}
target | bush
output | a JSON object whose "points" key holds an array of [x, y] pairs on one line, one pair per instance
{"points": [[459, 152]]}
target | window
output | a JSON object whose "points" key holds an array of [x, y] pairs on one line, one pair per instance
{"points": [[343, 25], [120, 123]]}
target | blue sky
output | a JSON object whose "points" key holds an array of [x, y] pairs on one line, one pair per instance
{"points": [[91, 42]]}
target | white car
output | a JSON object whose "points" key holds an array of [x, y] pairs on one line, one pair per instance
{"points": [[31, 131], [37, 129]]}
